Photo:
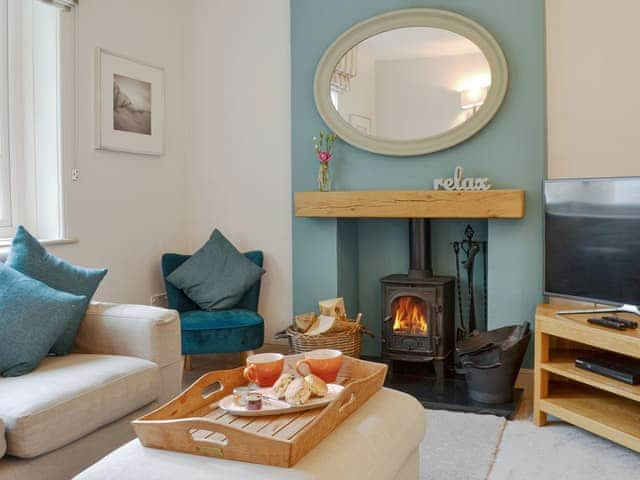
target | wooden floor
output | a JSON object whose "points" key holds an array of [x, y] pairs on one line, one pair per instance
{"points": [[202, 364]]}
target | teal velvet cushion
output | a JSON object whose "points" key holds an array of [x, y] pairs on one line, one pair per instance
{"points": [[176, 298], [27, 256], [217, 276], [32, 317], [222, 331]]}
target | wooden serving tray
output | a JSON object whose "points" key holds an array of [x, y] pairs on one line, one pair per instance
{"points": [[193, 423]]}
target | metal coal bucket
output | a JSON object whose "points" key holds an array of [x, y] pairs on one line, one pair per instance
{"points": [[492, 361]]}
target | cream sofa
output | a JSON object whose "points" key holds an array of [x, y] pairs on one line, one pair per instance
{"points": [[73, 410]]}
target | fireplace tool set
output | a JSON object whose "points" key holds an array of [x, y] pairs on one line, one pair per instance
{"points": [[492, 359], [466, 252]]}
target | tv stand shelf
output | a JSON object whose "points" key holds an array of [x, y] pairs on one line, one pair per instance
{"points": [[594, 402]]}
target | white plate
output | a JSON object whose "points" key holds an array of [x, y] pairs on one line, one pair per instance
{"points": [[271, 406]]}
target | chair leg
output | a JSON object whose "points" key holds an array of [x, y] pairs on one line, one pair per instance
{"points": [[187, 362], [245, 355]]}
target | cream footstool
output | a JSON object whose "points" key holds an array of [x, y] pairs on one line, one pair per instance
{"points": [[378, 441]]}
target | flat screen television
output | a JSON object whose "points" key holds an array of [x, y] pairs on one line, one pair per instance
{"points": [[592, 239]]}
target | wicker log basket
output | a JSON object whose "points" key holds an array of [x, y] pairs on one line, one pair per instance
{"points": [[348, 342], [332, 329]]}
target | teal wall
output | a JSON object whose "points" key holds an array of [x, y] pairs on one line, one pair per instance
{"points": [[510, 151]]}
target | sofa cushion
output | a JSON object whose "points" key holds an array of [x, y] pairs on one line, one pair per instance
{"points": [[3, 442], [222, 331], [217, 276], [32, 316], [68, 397], [32, 259]]}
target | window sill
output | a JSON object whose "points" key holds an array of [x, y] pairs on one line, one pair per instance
{"points": [[5, 245]]}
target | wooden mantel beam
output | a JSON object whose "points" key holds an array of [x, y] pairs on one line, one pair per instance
{"points": [[411, 204]]}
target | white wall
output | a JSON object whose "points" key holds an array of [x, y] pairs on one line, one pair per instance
{"points": [[237, 76], [127, 210], [593, 75]]}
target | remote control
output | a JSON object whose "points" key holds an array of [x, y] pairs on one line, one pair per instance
{"points": [[607, 323], [624, 321]]}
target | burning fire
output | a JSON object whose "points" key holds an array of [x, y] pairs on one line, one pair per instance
{"points": [[409, 317]]}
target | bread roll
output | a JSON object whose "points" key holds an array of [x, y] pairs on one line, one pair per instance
{"points": [[298, 392], [317, 386], [280, 387]]}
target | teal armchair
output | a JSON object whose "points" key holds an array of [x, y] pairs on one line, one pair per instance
{"points": [[239, 329]]}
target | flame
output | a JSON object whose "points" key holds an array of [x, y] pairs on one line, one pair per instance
{"points": [[409, 317]]}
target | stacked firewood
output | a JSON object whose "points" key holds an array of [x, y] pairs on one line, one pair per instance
{"points": [[332, 318]]}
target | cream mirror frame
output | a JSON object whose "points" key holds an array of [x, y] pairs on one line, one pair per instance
{"points": [[409, 18]]}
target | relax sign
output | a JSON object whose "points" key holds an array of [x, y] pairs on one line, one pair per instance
{"points": [[457, 182]]}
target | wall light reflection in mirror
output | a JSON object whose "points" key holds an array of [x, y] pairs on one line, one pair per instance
{"points": [[473, 97]]}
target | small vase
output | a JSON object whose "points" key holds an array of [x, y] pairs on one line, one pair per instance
{"points": [[324, 178]]}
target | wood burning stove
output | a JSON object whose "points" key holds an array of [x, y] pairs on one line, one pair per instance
{"points": [[418, 309]]}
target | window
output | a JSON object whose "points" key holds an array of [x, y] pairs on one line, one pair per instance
{"points": [[37, 57], [5, 167], [335, 99]]}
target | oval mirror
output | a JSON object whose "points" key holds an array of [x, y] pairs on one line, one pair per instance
{"points": [[411, 82]]}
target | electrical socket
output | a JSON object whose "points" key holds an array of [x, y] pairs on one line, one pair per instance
{"points": [[159, 300], [75, 174]]}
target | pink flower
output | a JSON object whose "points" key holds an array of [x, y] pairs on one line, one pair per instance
{"points": [[324, 156]]}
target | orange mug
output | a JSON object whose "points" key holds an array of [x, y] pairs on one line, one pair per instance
{"points": [[264, 368], [323, 363]]}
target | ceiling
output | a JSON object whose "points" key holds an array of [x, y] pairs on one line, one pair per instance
{"points": [[417, 42]]}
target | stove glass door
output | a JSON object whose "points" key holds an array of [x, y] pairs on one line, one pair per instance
{"points": [[410, 316]]}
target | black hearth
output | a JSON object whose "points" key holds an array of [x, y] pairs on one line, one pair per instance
{"points": [[418, 309]]}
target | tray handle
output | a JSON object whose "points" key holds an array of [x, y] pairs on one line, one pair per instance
{"points": [[199, 394], [227, 380], [208, 388], [347, 407], [203, 436]]}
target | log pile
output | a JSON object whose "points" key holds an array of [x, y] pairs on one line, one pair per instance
{"points": [[332, 318]]}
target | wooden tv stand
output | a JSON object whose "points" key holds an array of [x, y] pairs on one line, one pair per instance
{"points": [[601, 405]]}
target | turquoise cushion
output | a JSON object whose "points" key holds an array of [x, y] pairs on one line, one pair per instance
{"points": [[223, 331], [217, 276], [32, 317], [27, 256], [176, 298]]}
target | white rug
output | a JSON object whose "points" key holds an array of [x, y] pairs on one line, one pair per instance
{"points": [[464, 446], [459, 446], [561, 452]]}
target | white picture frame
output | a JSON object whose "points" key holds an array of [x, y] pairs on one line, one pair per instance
{"points": [[129, 104]]}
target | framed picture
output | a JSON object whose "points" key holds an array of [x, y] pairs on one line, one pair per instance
{"points": [[129, 105], [361, 123]]}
